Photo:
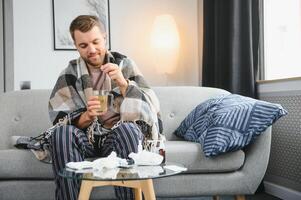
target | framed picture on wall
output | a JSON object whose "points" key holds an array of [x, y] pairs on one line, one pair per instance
{"points": [[64, 11]]}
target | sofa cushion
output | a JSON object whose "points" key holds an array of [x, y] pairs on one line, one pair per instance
{"points": [[22, 164], [191, 156], [228, 123]]}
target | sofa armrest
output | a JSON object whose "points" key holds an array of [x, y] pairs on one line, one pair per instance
{"points": [[256, 160]]}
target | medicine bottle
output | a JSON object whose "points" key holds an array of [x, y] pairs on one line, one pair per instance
{"points": [[162, 150]]}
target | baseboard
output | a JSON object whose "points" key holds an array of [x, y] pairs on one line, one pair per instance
{"points": [[281, 192]]}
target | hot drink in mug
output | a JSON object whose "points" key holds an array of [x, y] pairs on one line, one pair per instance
{"points": [[104, 99]]}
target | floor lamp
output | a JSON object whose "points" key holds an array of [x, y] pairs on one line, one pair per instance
{"points": [[165, 44]]}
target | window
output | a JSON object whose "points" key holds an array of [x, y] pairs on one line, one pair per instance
{"points": [[282, 39]]}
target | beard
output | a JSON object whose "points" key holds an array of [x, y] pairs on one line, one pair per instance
{"points": [[95, 61]]}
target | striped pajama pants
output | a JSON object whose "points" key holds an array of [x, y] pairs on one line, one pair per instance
{"points": [[70, 144]]}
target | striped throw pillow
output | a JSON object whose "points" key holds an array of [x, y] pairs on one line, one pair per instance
{"points": [[228, 123]]}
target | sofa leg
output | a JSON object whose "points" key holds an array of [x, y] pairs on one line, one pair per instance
{"points": [[215, 197], [240, 197]]}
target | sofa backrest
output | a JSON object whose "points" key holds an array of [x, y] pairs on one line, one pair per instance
{"points": [[178, 101], [25, 112]]}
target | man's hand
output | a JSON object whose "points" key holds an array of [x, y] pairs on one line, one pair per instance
{"points": [[93, 107], [116, 75]]}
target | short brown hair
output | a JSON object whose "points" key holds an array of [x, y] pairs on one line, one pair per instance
{"points": [[85, 23]]}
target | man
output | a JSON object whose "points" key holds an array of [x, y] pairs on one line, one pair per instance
{"points": [[86, 131]]}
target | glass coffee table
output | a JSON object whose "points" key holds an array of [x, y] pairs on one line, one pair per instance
{"points": [[140, 178]]}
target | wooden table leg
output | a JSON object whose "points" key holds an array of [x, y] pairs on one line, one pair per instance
{"points": [[147, 188], [138, 195], [240, 197], [85, 190], [215, 197]]}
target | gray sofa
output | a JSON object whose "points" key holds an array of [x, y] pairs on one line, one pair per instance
{"points": [[24, 177]]}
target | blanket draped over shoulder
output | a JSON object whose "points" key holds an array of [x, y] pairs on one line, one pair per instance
{"points": [[139, 105]]}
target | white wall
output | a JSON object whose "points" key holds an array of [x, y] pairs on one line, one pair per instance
{"points": [[35, 59], [131, 22]]}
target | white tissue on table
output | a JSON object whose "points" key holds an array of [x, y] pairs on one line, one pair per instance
{"points": [[106, 173], [146, 158], [110, 162], [149, 171], [80, 165], [175, 168]]}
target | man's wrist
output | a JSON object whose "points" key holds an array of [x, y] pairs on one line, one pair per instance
{"points": [[124, 86], [86, 117], [83, 121]]}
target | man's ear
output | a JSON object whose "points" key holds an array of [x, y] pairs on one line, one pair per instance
{"points": [[104, 34]]}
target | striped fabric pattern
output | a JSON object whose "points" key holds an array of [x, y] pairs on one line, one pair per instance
{"points": [[228, 123], [70, 144]]}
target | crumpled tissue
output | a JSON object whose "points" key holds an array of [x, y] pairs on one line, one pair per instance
{"points": [[79, 165], [110, 162], [149, 171], [146, 158], [106, 173]]}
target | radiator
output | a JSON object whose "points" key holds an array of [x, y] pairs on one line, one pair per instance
{"points": [[284, 167]]}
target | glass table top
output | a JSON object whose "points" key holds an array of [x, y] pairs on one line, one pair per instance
{"points": [[118, 174]]}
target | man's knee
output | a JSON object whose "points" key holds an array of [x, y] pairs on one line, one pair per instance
{"points": [[128, 132], [129, 128], [64, 132]]}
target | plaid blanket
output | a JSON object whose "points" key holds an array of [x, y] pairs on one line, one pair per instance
{"points": [[74, 86]]}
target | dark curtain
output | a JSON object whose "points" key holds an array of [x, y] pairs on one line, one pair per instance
{"points": [[231, 42]]}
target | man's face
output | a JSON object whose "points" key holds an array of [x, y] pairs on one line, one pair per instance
{"points": [[91, 46]]}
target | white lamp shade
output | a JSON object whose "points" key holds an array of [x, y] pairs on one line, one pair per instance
{"points": [[165, 43]]}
